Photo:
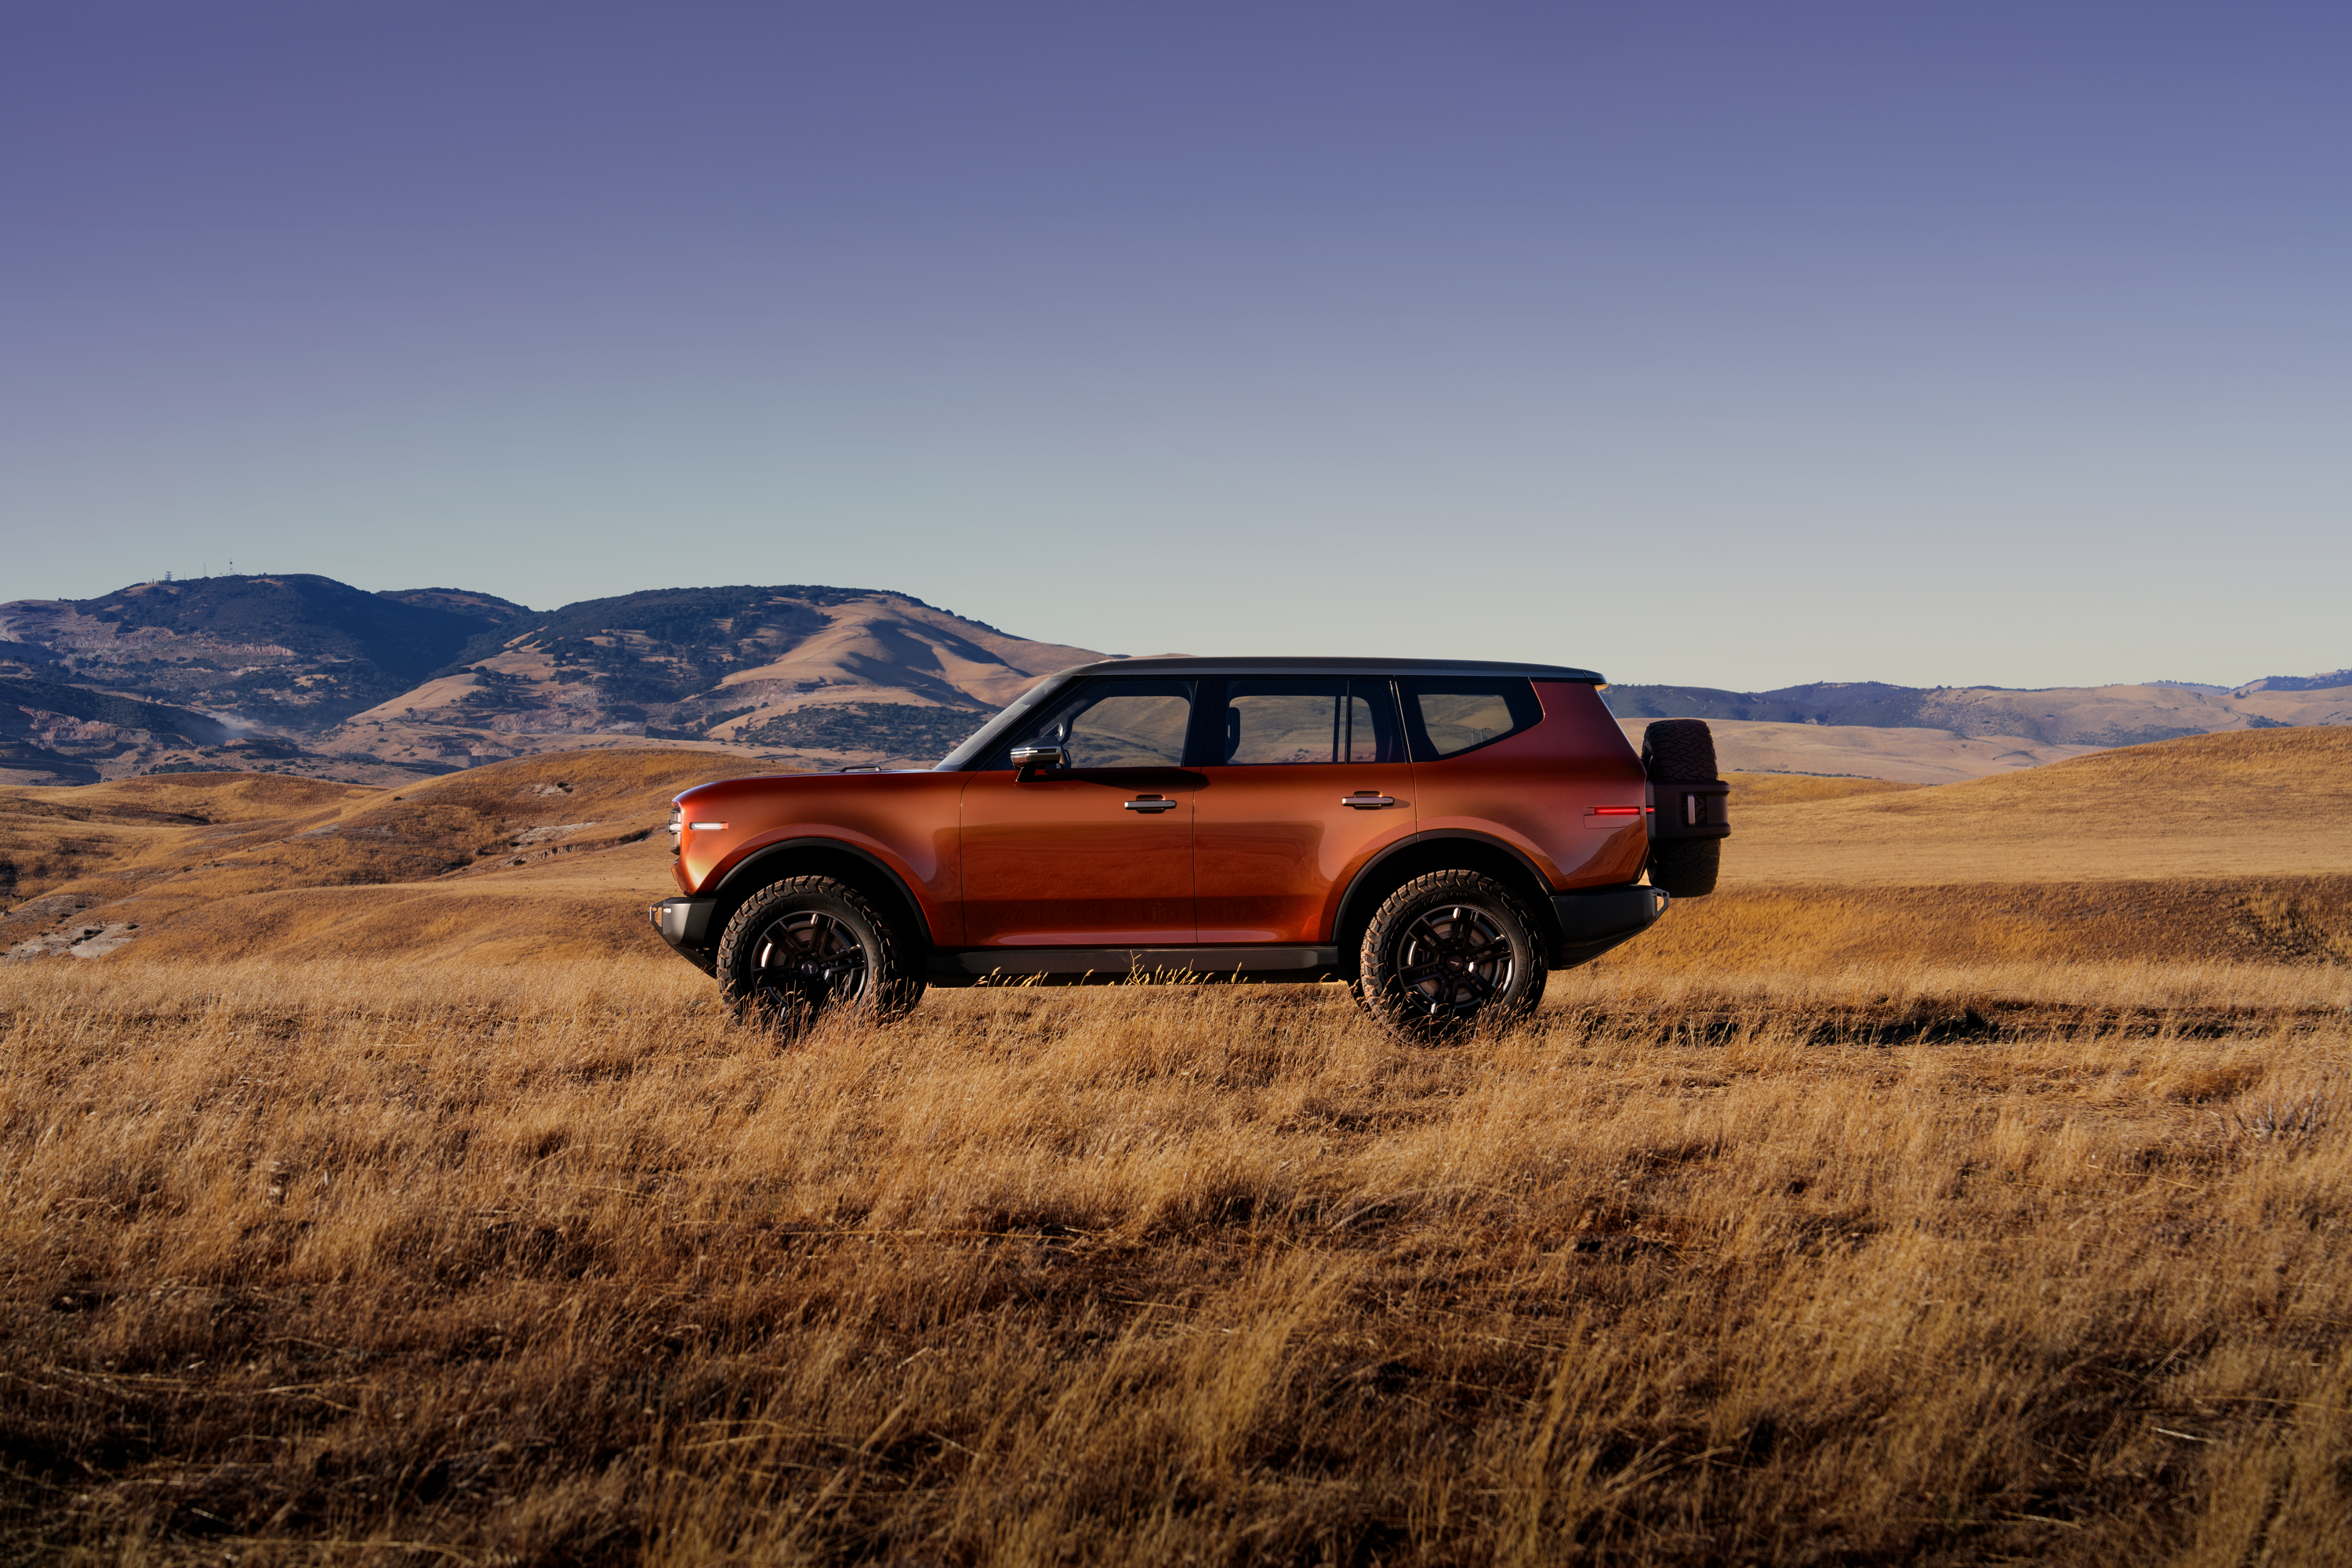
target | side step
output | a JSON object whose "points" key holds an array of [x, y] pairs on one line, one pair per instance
{"points": [[1109, 965]]}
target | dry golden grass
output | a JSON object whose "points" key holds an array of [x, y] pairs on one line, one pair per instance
{"points": [[1751, 790], [2217, 848], [551, 855], [358, 1263], [2244, 803], [1917, 757], [1815, 927]]}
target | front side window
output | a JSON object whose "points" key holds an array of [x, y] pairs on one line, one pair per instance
{"points": [[1310, 719], [1450, 715], [1116, 724]]}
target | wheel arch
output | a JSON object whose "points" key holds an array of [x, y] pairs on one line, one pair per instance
{"points": [[1442, 851], [862, 869]]}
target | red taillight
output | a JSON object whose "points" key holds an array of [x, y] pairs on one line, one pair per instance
{"points": [[1615, 810]]}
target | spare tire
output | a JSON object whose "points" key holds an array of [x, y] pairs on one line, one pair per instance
{"points": [[1682, 751], [1686, 867]]}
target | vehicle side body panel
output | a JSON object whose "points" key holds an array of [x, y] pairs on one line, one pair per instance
{"points": [[1275, 848], [1083, 857], [1532, 792], [906, 821]]}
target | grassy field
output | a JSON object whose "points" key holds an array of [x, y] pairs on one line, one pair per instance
{"points": [[1967, 1181], [359, 1263]]}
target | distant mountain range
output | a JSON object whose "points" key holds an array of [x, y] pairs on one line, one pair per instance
{"points": [[2060, 716], [297, 673], [303, 674]]}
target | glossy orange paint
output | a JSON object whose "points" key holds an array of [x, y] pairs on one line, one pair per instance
{"points": [[1532, 792], [1275, 846], [906, 820], [1063, 859]]}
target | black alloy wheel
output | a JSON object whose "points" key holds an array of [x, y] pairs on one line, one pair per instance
{"points": [[807, 959], [809, 946], [1448, 952], [1452, 960]]}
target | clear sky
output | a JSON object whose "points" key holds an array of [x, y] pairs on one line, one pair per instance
{"points": [[1730, 343]]}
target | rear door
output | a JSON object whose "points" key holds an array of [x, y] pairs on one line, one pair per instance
{"points": [[1304, 779], [1096, 855]]}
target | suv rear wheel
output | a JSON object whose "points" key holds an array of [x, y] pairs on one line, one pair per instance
{"points": [[1448, 951], [811, 945]]}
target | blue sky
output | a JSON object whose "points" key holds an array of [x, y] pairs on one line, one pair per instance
{"points": [[1725, 343]]}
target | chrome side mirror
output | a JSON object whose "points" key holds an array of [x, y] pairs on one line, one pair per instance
{"points": [[1029, 759]]}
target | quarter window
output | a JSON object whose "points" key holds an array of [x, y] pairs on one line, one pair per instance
{"points": [[1452, 715], [1307, 720]]}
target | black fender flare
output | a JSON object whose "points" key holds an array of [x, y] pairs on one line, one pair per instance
{"points": [[758, 869], [1355, 904]]}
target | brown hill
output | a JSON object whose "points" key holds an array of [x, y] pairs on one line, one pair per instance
{"points": [[2267, 801], [2214, 848], [1911, 755], [854, 676], [317, 678], [1946, 734], [528, 858]]}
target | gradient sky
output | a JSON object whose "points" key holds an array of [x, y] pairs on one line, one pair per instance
{"points": [[1728, 343]]}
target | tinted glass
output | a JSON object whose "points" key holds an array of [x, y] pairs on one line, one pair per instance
{"points": [[1454, 715], [1306, 719], [1117, 724], [968, 753]]}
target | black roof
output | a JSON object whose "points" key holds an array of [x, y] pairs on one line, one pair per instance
{"points": [[1262, 666]]}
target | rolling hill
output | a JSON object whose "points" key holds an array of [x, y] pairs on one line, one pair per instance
{"points": [[2207, 849], [51, 732], [1936, 735], [306, 676], [539, 857], [302, 675]]}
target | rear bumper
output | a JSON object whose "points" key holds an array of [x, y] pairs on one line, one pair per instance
{"points": [[684, 924], [1598, 919]]}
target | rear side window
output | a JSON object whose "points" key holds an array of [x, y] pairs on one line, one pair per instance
{"points": [[1308, 720], [1448, 715]]}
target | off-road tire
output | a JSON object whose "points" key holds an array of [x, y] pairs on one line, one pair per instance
{"points": [[808, 946], [1679, 749], [1682, 751], [1450, 953], [1686, 867]]}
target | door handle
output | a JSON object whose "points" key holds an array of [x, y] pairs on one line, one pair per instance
{"points": [[1150, 803], [1364, 800]]}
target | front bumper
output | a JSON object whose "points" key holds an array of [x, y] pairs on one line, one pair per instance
{"points": [[1598, 919], [684, 924]]}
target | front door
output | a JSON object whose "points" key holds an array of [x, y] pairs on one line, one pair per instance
{"points": [[1313, 780], [1096, 854]]}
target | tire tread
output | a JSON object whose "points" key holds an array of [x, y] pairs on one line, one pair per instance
{"points": [[895, 987], [1375, 994]]}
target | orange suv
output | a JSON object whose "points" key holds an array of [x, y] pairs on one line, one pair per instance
{"points": [[1437, 834]]}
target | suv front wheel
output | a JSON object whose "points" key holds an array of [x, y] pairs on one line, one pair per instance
{"points": [[810, 945], [1449, 951]]}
